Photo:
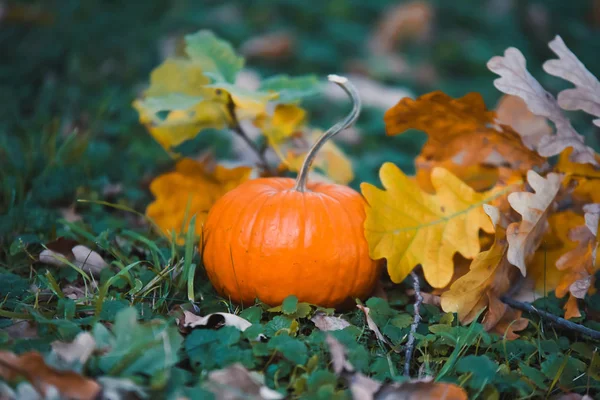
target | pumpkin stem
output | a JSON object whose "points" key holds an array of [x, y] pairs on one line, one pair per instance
{"points": [[349, 88]]}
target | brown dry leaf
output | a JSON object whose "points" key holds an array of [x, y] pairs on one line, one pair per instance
{"points": [[405, 21], [490, 276], [513, 111], [524, 237], [31, 365], [190, 190], [422, 389], [461, 133], [586, 94], [555, 242], [516, 80], [326, 322], [236, 382], [365, 388], [275, 45], [63, 251], [79, 350], [372, 325]]}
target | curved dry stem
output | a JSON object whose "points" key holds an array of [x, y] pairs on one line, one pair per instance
{"points": [[349, 88]]}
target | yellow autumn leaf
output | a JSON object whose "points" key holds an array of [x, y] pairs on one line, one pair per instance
{"points": [[489, 277], [182, 125], [191, 189], [409, 227]]}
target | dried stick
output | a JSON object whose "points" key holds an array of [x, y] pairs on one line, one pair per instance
{"points": [[558, 321], [415, 324]]}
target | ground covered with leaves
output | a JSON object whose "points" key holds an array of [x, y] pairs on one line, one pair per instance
{"points": [[122, 125]]}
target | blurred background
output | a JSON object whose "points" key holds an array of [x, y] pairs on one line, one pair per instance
{"points": [[75, 66]]}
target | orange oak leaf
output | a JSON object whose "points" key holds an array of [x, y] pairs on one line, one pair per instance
{"points": [[461, 132], [555, 242], [490, 276], [579, 266], [524, 237], [42, 377], [191, 189]]}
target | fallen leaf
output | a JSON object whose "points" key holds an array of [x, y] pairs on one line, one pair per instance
{"points": [[79, 350], [586, 94], [460, 132], [579, 266], [409, 227], [555, 242], [63, 251], [31, 365], [422, 389], [516, 80], [405, 21], [339, 359], [572, 308], [326, 322], [236, 382], [565, 165], [214, 321], [372, 325], [490, 276], [190, 190], [365, 388], [524, 237], [513, 111], [271, 46]]}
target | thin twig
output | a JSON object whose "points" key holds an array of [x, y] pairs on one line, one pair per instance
{"points": [[415, 324], [558, 321], [237, 128]]}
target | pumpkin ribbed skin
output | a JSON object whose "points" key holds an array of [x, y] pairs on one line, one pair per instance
{"points": [[266, 240]]}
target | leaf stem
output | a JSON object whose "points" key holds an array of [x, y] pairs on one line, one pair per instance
{"points": [[237, 128], [558, 321], [349, 88]]}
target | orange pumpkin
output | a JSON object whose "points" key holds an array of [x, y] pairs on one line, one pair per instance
{"points": [[274, 237]]}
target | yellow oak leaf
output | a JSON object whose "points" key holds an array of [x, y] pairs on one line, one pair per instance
{"points": [[409, 227], [480, 177], [191, 189], [462, 130], [524, 237], [555, 243], [565, 165], [489, 277], [182, 125]]}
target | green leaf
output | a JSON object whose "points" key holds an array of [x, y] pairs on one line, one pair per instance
{"points": [[534, 375], [291, 348], [291, 89], [215, 56], [140, 348], [565, 368], [289, 305], [277, 324], [252, 314], [482, 369]]}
